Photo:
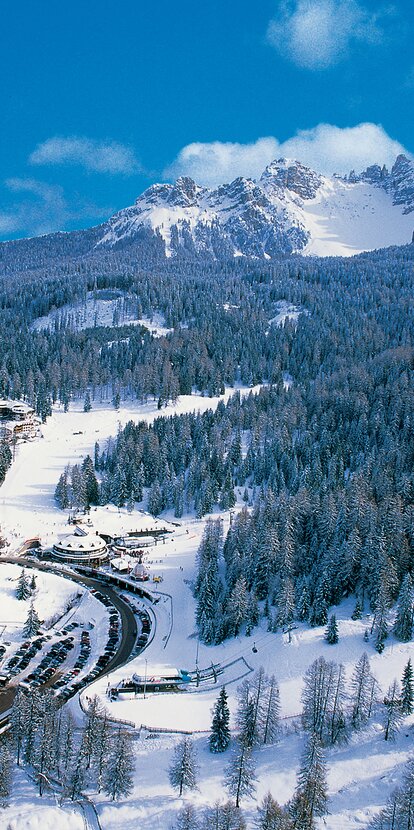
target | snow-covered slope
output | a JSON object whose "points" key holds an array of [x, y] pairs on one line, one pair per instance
{"points": [[289, 209]]}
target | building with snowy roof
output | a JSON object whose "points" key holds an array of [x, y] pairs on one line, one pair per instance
{"points": [[81, 547]]}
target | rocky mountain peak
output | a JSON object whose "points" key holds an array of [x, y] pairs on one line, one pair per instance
{"points": [[402, 176], [285, 174]]}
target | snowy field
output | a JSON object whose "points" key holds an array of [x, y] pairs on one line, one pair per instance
{"points": [[27, 506], [360, 775], [50, 598], [110, 312]]}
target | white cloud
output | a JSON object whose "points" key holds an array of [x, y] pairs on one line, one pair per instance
{"points": [[316, 34], [219, 162], [95, 156], [329, 149], [326, 148], [42, 208]]}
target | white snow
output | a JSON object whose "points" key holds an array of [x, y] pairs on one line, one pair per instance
{"points": [[342, 219], [95, 311], [50, 598], [345, 219], [361, 774]]}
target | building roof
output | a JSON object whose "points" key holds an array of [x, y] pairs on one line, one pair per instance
{"points": [[88, 543]]}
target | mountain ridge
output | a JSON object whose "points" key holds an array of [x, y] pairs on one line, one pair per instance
{"points": [[289, 209]]}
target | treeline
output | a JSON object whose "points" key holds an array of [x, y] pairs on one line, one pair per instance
{"points": [[5, 459], [328, 466], [62, 757], [331, 712], [219, 312]]}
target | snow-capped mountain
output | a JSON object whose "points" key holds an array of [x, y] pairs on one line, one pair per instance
{"points": [[289, 209]]}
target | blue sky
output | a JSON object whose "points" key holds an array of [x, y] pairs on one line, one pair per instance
{"points": [[100, 99]]}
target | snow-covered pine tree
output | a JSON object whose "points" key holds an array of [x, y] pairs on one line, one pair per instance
{"points": [[220, 729], [407, 689], [101, 748], [286, 602], [303, 605], [23, 590], [183, 769], [271, 816], [392, 718], [322, 698], [62, 491], [32, 584], [269, 715], [331, 635], [364, 688], [44, 751], [18, 721], [318, 614], [66, 748], [240, 775], [119, 780], [381, 615], [76, 775], [187, 818], [403, 628], [357, 612], [247, 714], [399, 810], [33, 719], [310, 798], [90, 737], [223, 817], [87, 405], [32, 624], [6, 770]]}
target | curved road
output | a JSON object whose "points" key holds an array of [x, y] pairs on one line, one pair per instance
{"points": [[129, 629]]}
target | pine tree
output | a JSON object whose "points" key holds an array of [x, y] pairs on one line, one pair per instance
{"points": [[87, 405], [32, 624], [90, 735], [6, 771], [43, 755], [220, 729], [363, 685], [357, 612], [62, 491], [322, 697], [331, 635], [223, 817], [403, 627], [247, 712], [22, 590], [18, 721], [407, 689], [76, 776], [101, 749], [392, 703], [33, 583], [269, 715], [380, 623], [310, 799], [187, 818], [398, 814], [183, 768], [240, 773], [120, 767], [271, 816]]}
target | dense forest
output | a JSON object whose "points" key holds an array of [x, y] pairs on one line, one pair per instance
{"points": [[325, 462]]}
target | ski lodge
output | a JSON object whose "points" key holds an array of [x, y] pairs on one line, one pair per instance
{"points": [[18, 420]]}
